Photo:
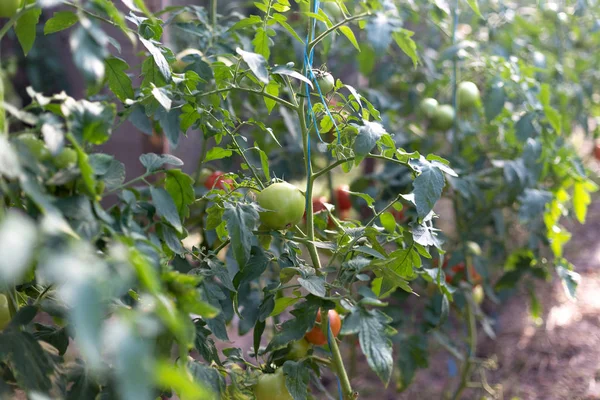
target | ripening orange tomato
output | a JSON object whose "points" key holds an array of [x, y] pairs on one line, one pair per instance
{"points": [[316, 335]]}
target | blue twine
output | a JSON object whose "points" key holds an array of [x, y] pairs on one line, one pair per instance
{"points": [[308, 73], [339, 384]]}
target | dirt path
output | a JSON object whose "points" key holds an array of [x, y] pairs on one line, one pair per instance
{"points": [[556, 359], [560, 359]]}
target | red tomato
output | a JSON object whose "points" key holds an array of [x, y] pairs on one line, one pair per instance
{"points": [[215, 181], [316, 335], [343, 197], [597, 151], [319, 204], [398, 215]]}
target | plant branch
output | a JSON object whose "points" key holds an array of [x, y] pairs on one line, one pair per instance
{"points": [[323, 35], [264, 94]]}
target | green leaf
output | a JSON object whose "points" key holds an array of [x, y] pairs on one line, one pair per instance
{"points": [[170, 376], [26, 27], [314, 284], [165, 207], [162, 96], [427, 187], [475, 7], [285, 70], [151, 73], [61, 20], [373, 335], [282, 304], [153, 162], [217, 153], [18, 238], [181, 188], [347, 31], [30, 364], [88, 46], [159, 58], [261, 43], [118, 81], [570, 279], [87, 172], [241, 220], [273, 89], [368, 135], [494, 100], [250, 21], [296, 379], [388, 221], [581, 200], [90, 122], [407, 45], [553, 117], [257, 64]]}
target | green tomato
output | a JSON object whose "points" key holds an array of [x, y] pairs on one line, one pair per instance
{"points": [[66, 158], [443, 118], [478, 294], [428, 106], [8, 8], [4, 312], [284, 204], [467, 95], [36, 146], [326, 82], [272, 387], [298, 349]]}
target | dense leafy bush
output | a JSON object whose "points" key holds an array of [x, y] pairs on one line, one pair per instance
{"points": [[144, 281]]}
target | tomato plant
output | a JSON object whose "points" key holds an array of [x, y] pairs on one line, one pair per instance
{"points": [[135, 276], [4, 312]]}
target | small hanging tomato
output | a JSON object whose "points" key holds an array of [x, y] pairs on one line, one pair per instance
{"points": [[316, 335], [216, 181]]}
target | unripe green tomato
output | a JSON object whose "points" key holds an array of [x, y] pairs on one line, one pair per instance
{"points": [[478, 294], [326, 82], [285, 205], [100, 185], [4, 312], [36, 146], [272, 387], [298, 349], [8, 8], [66, 158], [443, 118], [467, 95], [428, 106]]}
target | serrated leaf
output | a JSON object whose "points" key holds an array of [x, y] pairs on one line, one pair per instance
{"points": [[158, 57], [165, 207], [118, 81], [375, 343], [261, 43], [181, 188], [427, 187], [241, 220], [296, 379], [153, 162], [403, 39], [368, 135]]}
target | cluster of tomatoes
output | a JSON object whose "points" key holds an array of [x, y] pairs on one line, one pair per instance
{"points": [[441, 116], [271, 386], [458, 273]]}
